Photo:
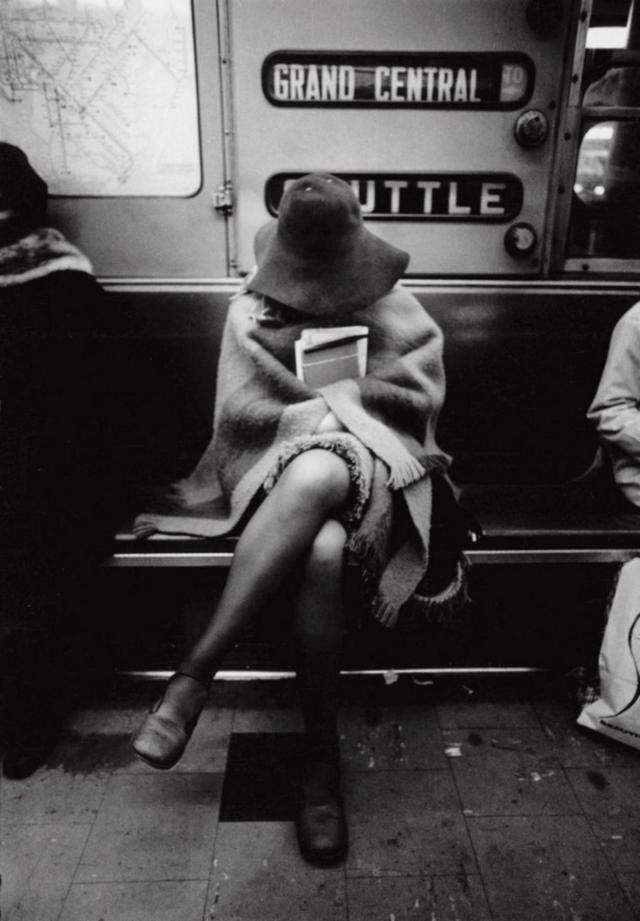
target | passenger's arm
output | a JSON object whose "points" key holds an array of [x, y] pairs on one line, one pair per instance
{"points": [[404, 387], [616, 406], [393, 409]]}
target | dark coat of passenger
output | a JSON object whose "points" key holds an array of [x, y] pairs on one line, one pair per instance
{"points": [[85, 403], [60, 490]]}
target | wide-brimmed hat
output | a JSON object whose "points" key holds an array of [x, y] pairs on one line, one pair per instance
{"points": [[318, 257], [21, 189]]}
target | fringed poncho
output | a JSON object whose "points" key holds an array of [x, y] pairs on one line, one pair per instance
{"points": [[265, 416]]}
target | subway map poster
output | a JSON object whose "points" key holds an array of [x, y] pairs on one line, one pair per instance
{"points": [[101, 94]]}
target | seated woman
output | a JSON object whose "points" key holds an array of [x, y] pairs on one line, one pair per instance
{"points": [[348, 472]]}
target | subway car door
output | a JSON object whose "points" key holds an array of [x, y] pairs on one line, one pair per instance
{"points": [[442, 115], [118, 105]]}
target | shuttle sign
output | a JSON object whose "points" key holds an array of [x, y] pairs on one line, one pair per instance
{"points": [[478, 197], [407, 80]]}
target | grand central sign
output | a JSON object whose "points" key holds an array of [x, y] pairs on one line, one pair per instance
{"points": [[453, 80]]}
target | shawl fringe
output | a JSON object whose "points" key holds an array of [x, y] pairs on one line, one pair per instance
{"points": [[445, 606], [442, 608], [405, 473], [366, 555], [352, 452]]}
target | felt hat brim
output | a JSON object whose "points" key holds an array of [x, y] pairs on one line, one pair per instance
{"points": [[358, 270]]}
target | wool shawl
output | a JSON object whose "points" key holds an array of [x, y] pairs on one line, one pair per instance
{"points": [[264, 413]]}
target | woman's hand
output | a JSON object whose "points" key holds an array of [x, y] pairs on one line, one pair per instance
{"points": [[330, 423]]}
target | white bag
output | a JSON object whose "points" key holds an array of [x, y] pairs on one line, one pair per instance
{"points": [[616, 713]]}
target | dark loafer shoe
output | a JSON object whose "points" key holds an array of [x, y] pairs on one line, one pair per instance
{"points": [[320, 823], [161, 741]]}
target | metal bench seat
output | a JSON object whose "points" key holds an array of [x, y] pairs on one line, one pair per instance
{"points": [[520, 524], [550, 524]]}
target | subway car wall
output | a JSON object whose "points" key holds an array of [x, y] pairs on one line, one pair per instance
{"points": [[463, 133]]}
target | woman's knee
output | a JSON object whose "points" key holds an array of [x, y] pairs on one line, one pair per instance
{"points": [[325, 558], [317, 477]]}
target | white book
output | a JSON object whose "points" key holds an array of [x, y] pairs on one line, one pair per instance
{"points": [[325, 355]]}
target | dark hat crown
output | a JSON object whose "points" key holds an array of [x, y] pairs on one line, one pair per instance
{"points": [[318, 214]]}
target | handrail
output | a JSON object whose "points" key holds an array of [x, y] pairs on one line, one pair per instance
{"points": [[196, 559]]}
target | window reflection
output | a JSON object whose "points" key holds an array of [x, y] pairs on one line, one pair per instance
{"points": [[605, 215], [593, 158], [608, 170]]}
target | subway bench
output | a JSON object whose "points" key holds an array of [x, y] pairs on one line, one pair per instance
{"points": [[518, 524], [522, 366]]}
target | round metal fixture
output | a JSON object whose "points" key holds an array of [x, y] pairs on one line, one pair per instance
{"points": [[531, 128], [520, 240]]}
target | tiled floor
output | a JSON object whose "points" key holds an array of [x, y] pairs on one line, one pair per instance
{"points": [[466, 802]]}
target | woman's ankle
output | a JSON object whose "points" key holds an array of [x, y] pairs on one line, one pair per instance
{"points": [[184, 696]]}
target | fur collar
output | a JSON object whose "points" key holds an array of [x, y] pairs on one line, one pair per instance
{"points": [[41, 252]]}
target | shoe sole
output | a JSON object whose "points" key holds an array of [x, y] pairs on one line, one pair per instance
{"points": [[158, 765], [325, 860]]}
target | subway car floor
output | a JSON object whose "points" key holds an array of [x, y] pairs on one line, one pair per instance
{"points": [[467, 798]]}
